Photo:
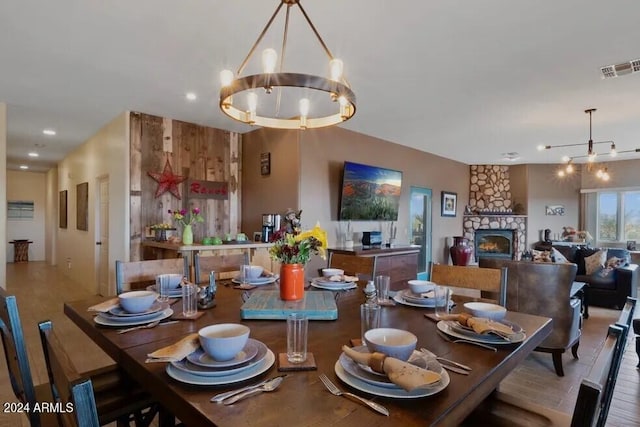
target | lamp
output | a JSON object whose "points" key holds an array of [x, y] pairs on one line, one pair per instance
{"points": [[342, 100]]}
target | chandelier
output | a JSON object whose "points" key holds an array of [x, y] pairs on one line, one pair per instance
{"points": [[340, 102]]}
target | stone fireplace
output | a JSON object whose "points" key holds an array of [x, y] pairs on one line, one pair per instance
{"points": [[494, 243], [490, 212]]}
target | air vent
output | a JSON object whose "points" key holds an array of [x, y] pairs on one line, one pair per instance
{"points": [[611, 71]]}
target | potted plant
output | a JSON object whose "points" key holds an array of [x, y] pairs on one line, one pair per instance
{"points": [[187, 219]]}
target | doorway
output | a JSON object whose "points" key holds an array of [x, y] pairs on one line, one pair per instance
{"points": [[102, 236], [420, 222]]}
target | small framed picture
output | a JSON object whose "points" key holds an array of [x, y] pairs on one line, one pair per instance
{"points": [[631, 245], [449, 203], [257, 236], [265, 163]]}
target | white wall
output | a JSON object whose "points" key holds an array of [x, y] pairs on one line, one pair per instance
{"points": [[104, 154], [3, 193], [27, 186]]}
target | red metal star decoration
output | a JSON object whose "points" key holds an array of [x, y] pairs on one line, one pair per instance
{"points": [[167, 181]]}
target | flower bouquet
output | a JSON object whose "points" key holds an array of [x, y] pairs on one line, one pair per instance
{"points": [[293, 250], [187, 219]]}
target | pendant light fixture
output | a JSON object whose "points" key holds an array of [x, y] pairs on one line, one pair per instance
{"points": [[274, 82]]}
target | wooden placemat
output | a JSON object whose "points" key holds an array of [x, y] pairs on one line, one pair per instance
{"points": [[308, 365]]}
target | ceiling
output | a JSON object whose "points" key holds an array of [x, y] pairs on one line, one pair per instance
{"points": [[466, 80]]}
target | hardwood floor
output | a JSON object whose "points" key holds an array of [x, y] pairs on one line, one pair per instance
{"points": [[41, 291]]}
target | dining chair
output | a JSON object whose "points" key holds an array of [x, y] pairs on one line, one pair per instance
{"points": [[545, 289], [133, 275], [74, 392], [203, 265], [116, 397], [591, 408], [362, 267], [491, 284], [15, 351]]}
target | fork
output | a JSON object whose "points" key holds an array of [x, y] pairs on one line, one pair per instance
{"points": [[336, 391], [135, 328], [448, 338]]}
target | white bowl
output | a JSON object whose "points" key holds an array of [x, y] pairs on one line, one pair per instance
{"points": [[255, 271], [396, 343], [486, 310], [328, 272], [174, 280], [223, 341], [137, 301], [421, 286]]}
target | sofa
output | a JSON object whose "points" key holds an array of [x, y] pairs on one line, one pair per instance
{"points": [[610, 276], [544, 289]]}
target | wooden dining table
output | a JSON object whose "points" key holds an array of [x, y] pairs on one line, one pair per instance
{"points": [[301, 399]]}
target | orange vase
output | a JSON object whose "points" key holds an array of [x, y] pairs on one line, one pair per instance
{"points": [[291, 282]]}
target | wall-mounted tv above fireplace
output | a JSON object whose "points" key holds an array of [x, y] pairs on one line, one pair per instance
{"points": [[369, 193]]}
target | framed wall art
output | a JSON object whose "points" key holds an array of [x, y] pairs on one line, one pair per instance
{"points": [[82, 206], [554, 210], [449, 203], [62, 209], [265, 163]]}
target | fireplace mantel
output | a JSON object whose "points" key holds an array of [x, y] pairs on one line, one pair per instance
{"points": [[495, 215]]}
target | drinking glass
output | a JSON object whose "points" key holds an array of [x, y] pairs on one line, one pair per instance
{"points": [[442, 297], [190, 299], [244, 274], [162, 286], [297, 326], [369, 318], [382, 288]]}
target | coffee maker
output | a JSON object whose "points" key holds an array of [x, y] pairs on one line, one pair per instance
{"points": [[268, 227]]}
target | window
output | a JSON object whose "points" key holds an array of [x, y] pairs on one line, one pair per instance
{"points": [[618, 215]]}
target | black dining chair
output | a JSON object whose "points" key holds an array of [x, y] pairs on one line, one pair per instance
{"points": [[591, 408]]}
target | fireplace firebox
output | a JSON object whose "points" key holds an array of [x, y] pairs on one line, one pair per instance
{"points": [[494, 243]]}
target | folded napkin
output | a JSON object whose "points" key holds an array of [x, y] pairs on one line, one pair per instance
{"points": [[480, 325], [403, 374], [175, 352], [105, 306]]}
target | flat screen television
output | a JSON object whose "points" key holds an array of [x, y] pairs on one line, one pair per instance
{"points": [[369, 193]]}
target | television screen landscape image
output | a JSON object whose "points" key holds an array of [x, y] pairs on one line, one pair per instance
{"points": [[370, 193]]}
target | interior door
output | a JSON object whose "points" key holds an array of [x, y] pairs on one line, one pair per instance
{"points": [[420, 222], [102, 236]]}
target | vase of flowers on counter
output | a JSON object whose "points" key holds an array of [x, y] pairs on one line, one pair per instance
{"points": [[293, 249], [187, 219]]}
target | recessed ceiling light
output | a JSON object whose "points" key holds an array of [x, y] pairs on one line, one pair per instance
{"points": [[24, 167], [511, 156], [191, 96], [33, 154], [49, 132]]}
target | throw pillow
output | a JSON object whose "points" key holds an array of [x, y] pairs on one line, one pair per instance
{"points": [[541, 256], [558, 257], [595, 262], [614, 262], [581, 254]]}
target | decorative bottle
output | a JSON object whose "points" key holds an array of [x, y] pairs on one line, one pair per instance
{"points": [[370, 294], [460, 251]]}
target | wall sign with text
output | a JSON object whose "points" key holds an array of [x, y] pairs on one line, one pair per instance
{"points": [[197, 189]]}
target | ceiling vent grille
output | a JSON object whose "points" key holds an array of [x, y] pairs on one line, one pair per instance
{"points": [[611, 71]]}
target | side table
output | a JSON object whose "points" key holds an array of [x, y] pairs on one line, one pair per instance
{"points": [[21, 250], [579, 290]]}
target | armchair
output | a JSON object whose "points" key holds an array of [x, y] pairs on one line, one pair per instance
{"points": [[544, 289]]}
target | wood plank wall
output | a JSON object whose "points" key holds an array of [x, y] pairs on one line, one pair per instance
{"points": [[195, 152]]}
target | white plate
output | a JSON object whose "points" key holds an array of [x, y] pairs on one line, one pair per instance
{"points": [[250, 350], [257, 282], [121, 320], [443, 326], [457, 327], [121, 312], [367, 375], [108, 321], [243, 375], [173, 293], [342, 287], [389, 392], [201, 371], [324, 281], [398, 297]]}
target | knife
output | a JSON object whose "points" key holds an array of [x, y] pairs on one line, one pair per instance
{"points": [[221, 396], [454, 369]]}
